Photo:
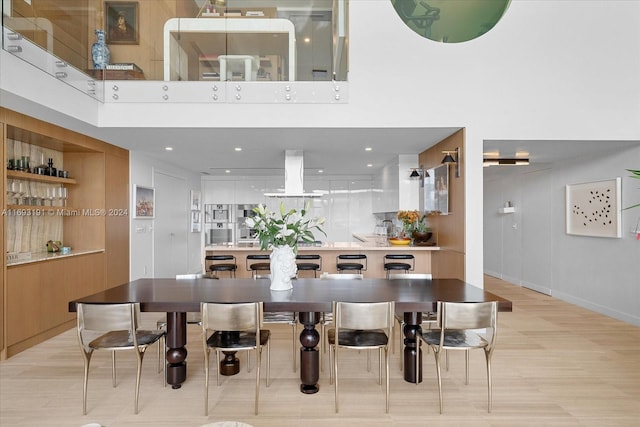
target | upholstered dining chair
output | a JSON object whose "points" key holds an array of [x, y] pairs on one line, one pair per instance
{"points": [[361, 326], [113, 327], [243, 319], [457, 324]]}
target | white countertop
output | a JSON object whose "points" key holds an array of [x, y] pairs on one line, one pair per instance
{"points": [[48, 256], [365, 242]]}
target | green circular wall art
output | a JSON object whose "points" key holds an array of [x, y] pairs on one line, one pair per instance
{"points": [[450, 21]]}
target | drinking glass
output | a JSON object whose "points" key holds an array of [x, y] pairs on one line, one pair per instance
{"points": [[62, 195], [20, 190], [11, 193], [51, 194]]}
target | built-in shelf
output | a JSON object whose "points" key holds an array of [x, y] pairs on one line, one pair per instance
{"points": [[507, 210], [35, 177]]}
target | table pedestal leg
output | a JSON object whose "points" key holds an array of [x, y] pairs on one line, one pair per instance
{"points": [[412, 329], [230, 365], [309, 355], [176, 351]]}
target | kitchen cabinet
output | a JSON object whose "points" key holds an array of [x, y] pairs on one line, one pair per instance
{"points": [[89, 216], [393, 190]]}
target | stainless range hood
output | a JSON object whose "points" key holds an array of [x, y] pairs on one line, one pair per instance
{"points": [[293, 176]]}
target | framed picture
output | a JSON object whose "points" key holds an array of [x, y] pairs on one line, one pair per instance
{"points": [[121, 22], [593, 208], [196, 222], [436, 190], [144, 199], [195, 200]]}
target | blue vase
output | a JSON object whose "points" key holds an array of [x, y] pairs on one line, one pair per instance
{"points": [[100, 51]]}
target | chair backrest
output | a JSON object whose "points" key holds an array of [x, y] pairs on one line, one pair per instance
{"points": [[95, 319], [469, 315], [189, 276], [341, 276], [364, 315], [220, 257], [410, 276], [232, 317]]}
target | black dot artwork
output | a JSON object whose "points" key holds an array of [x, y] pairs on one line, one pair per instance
{"points": [[594, 209]]}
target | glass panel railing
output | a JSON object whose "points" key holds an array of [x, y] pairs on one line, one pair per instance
{"points": [[83, 41]]}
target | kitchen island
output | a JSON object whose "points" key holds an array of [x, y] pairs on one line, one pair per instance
{"points": [[372, 246]]}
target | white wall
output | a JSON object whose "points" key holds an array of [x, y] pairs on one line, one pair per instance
{"points": [[602, 274], [141, 171]]}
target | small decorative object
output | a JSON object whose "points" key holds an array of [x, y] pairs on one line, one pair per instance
{"points": [[408, 219], [100, 51], [281, 232], [421, 231], [54, 246], [399, 241]]}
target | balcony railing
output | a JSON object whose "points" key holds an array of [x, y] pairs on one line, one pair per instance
{"points": [[237, 50]]}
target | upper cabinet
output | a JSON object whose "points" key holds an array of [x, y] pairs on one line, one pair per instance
{"points": [[393, 189]]}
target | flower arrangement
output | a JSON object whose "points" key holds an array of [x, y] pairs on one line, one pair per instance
{"points": [[284, 228], [413, 221]]}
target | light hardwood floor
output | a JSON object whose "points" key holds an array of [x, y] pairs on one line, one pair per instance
{"points": [[555, 365]]}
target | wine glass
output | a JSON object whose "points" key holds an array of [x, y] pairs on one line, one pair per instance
{"points": [[11, 192], [62, 195], [51, 194], [19, 192]]}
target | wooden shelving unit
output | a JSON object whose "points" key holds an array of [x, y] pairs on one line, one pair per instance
{"points": [[34, 294]]}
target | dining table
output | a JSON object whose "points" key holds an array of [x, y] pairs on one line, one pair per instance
{"points": [[310, 298]]}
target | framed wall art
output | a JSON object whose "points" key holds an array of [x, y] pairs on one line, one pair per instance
{"points": [[593, 208], [196, 211], [436, 190], [122, 22], [144, 199]]}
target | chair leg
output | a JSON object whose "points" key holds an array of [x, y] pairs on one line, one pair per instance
{"points": [[206, 382], [268, 363], [87, 359], [466, 367], [380, 366], [386, 357], [113, 368], [294, 325], [335, 374], [487, 356], [437, 355], [218, 366], [258, 354]]}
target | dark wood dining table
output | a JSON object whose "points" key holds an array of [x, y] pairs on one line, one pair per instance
{"points": [[309, 298]]}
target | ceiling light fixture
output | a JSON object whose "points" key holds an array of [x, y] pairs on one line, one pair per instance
{"points": [[453, 156], [505, 162]]}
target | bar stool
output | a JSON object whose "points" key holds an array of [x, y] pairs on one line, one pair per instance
{"points": [[351, 262], [402, 262], [308, 265], [257, 263], [220, 265]]}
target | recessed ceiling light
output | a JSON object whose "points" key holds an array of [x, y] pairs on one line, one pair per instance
{"points": [[369, 165], [168, 148], [307, 40], [238, 148], [227, 171], [368, 149], [320, 170]]}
